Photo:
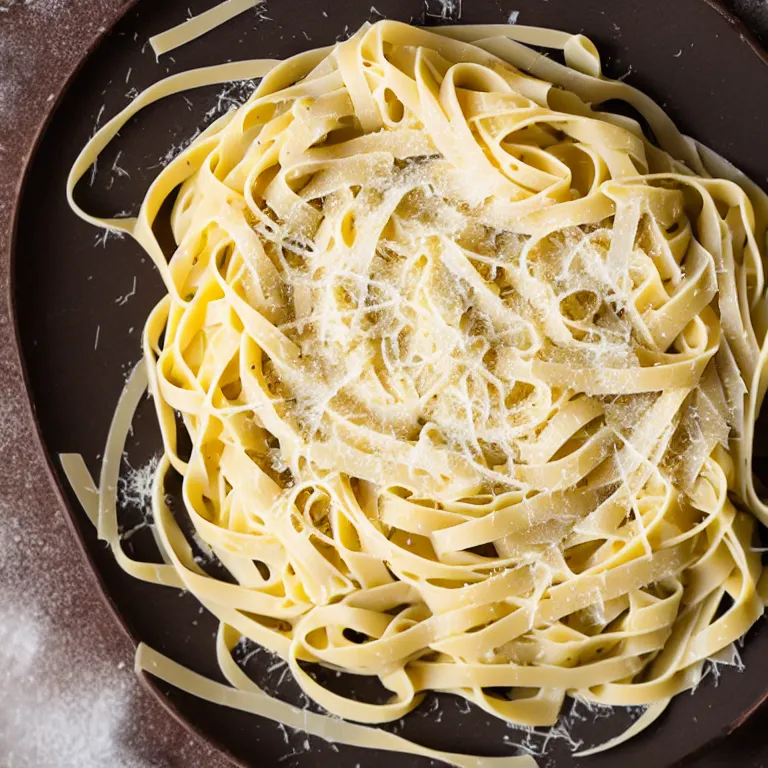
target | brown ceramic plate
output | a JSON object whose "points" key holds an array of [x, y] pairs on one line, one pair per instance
{"points": [[81, 303]]}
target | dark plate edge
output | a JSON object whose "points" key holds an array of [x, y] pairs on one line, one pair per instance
{"points": [[70, 514]]}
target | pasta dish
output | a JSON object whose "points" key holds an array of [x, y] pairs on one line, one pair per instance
{"points": [[470, 366]]}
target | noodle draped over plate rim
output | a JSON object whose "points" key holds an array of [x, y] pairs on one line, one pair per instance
{"points": [[470, 368]]}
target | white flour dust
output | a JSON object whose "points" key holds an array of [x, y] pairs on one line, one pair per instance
{"points": [[25, 25], [13, 79], [61, 707], [40, 6]]}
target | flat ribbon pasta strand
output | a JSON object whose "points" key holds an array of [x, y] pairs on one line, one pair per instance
{"points": [[470, 369], [196, 26]]}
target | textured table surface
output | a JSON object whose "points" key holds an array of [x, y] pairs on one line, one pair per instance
{"points": [[68, 697]]}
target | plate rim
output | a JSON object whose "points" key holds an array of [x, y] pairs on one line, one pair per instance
{"points": [[50, 474]]}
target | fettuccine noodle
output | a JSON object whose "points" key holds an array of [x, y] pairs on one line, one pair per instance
{"points": [[470, 370]]}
